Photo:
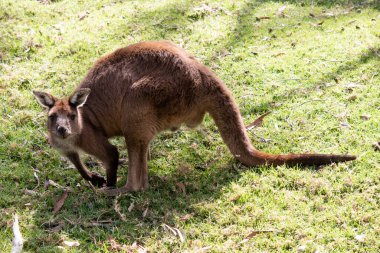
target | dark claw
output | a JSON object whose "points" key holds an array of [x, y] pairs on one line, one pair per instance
{"points": [[98, 180]]}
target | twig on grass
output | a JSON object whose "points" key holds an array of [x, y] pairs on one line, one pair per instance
{"points": [[118, 210], [256, 232], [59, 204], [17, 242], [330, 60], [312, 100], [262, 139], [257, 122], [92, 187], [176, 232], [37, 178]]}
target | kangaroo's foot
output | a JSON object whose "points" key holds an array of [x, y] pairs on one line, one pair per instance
{"points": [[97, 180]]}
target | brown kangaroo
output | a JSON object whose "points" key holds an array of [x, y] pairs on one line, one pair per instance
{"points": [[139, 91]]}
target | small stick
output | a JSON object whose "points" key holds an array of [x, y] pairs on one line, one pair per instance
{"points": [[117, 209], [321, 59], [38, 180], [308, 102], [17, 239], [261, 138], [92, 187]]}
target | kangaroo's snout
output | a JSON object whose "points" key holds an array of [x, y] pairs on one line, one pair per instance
{"points": [[63, 131]]}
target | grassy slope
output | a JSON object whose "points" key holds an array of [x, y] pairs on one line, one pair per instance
{"points": [[298, 70]]}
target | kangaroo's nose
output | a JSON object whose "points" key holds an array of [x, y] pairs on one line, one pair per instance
{"points": [[61, 130]]}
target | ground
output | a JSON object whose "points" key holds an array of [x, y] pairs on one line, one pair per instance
{"points": [[313, 64]]}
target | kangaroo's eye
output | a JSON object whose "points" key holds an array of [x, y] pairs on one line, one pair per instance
{"points": [[52, 116], [72, 116]]}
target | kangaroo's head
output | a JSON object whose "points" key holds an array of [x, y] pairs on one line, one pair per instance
{"points": [[63, 114]]}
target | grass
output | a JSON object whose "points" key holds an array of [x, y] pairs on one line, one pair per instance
{"points": [[316, 70]]}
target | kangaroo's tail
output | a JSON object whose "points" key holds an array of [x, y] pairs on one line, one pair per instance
{"points": [[226, 115]]}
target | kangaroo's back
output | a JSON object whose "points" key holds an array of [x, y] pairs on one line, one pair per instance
{"points": [[144, 78]]}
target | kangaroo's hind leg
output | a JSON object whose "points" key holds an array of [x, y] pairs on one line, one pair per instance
{"points": [[137, 164], [137, 167]]}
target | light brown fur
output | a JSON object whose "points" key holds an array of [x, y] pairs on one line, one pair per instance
{"points": [[141, 90]]}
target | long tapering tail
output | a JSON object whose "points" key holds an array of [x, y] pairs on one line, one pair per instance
{"points": [[226, 115]]}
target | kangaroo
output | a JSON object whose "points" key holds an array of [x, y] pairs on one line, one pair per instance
{"points": [[139, 91]]}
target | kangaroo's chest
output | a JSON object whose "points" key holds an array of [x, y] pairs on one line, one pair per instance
{"points": [[64, 146]]}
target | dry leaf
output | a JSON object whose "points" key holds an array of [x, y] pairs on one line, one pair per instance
{"points": [[329, 14], [257, 122], [37, 179], [175, 231], [360, 238], [301, 248], [123, 161], [262, 17], [179, 233], [350, 86], [53, 226], [71, 243], [280, 11], [30, 192], [319, 23], [204, 249], [46, 183], [140, 249], [376, 146], [365, 117], [49, 182], [83, 15], [352, 98], [184, 169], [186, 217], [118, 209], [256, 232], [115, 246], [181, 187], [233, 199], [341, 115], [59, 204], [145, 212], [165, 226], [57, 227], [131, 206], [98, 223]]}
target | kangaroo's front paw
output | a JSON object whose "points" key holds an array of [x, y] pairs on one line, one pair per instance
{"points": [[98, 180]]}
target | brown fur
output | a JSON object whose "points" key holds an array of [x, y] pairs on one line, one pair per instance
{"points": [[143, 89]]}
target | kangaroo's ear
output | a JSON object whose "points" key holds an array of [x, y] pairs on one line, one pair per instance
{"points": [[79, 97], [45, 99]]}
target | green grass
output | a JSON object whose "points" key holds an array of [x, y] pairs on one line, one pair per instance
{"points": [[317, 80]]}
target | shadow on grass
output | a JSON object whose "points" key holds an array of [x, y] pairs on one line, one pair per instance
{"points": [[301, 91], [83, 210], [328, 3]]}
